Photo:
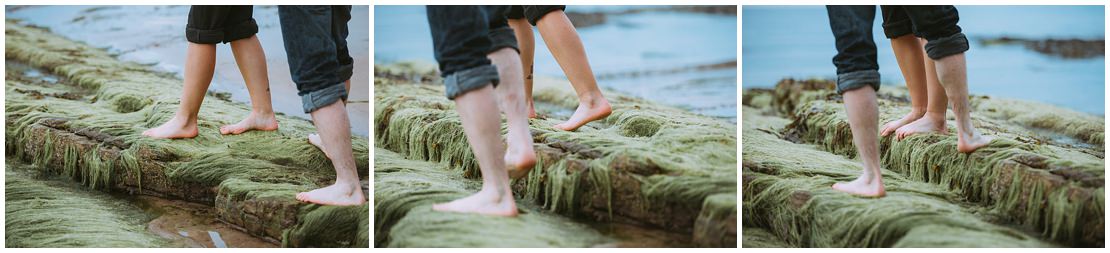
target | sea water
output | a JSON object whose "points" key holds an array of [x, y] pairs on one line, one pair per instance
{"points": [[796, 41]]}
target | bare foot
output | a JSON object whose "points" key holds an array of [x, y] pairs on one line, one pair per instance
{"points": [[254, 121], [867, 187], [931, 122], [889, 127], [968, 144], [176, 128], [519, 161], [586, 112], [487, 202], [315, 140], [334, 195]]}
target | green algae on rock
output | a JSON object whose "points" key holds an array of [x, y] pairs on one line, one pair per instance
{"points": [[41, 213], [93, 135], [405, 189], [786, 188], [755, 237], [1018, 178], [1025, 177], [645, 162]]}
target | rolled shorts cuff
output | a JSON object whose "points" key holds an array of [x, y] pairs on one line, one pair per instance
{"points": [[239, 31], [535, 13], [855, 80], [897, 29], [466, 80], [945, 46], [323, 97]]}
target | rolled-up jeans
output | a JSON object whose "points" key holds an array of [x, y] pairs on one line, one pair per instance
{"points": [[316, 42], [856, 58], [462, 37]]}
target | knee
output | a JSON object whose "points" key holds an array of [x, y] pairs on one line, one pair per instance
{"points": [[507, 61]]}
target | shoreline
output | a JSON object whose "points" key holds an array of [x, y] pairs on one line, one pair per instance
{"points": [[162, 45]]}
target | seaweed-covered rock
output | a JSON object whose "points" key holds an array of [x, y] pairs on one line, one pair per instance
{"points": [[786, 191], [1041, 185], [35, 215], [646, 162], [93, 135], [405, 189], [1044, 170]]}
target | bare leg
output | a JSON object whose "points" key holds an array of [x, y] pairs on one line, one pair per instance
{"points": [[520, 156], [482, 126], [252, 64], [952, 71], [314, 138], [335, 131], [200, 62], [863, 116], [527, 44], [907, 50], [934, 118], [562, 39]]}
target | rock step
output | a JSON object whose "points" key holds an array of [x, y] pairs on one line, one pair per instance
{"points": [[787, 192], [87, 124], [645, 163], [404, 191], [1057, 189]]}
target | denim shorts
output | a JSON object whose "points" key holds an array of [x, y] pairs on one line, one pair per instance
{"points": [[462, 36], [316, 42]]}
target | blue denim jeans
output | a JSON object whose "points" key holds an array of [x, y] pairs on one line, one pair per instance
{"points": [[856, 58], [316, 42], [462, 37]]}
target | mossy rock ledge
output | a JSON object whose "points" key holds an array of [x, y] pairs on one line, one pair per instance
{"points": [[647, 164], [85, 121], [1039, 183]]}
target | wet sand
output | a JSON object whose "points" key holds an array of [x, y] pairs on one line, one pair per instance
{"points": [[154, 35]]}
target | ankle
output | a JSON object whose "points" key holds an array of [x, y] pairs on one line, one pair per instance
{"points": [[497, 194], [262, 112], [934, 115], [184, 120], [917, 112], [592, 100]]}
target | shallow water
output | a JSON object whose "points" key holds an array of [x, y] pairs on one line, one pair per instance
{"points": [[154, 35], [160, 222], [647, 44], [796, 41]]}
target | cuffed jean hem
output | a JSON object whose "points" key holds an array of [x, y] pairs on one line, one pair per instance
{"points": [[945, 46], [858, 79], [501, 38], [466, 80], [323, 97]]}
